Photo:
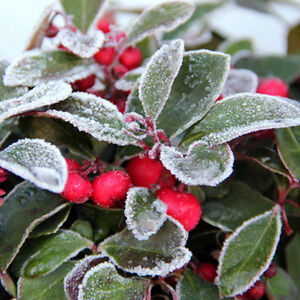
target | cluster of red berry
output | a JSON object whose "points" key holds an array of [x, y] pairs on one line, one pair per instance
{"points": [[115, 63]]}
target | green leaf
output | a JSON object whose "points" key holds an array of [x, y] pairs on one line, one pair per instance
{"points": [[158, 77], [241, 114], [282, 287], [7, 92], [248, 252], [5, 129], [38, 162], [164, 16], [83, 12], [54, 251], [74, 279], [294, 40], [234, 47], [240, 204], [129, 80], [52, 224], [37, 67], [8, 283], [293, 259], [82, 45], [84, 228], [192, 287], [96, 116], [202, 165], [48, 287], [133, 102], [195, 89], [42, 95], [285, 67], [159, 255], [289, 149], [104, 282], [145, 213], [29, 205]]}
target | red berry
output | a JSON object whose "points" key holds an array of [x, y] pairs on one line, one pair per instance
{"points": [[3, 172], [207, 271], [219, 98], [78, 189], [144, 171], [110, 187], [273, 87], [167, 179], [105, 56], [257, 290], [120, 36], [131, 58], [51, 31], [60, 46], [73, 165], [2, 192], [184, 207], [119, 70], [85, 83], [104, 25], [271, 271], [242, 297], [121, 104]]}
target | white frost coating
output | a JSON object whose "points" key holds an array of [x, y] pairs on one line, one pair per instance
{"points": [[240, 81], [183, 11], [128, 81], [276, 210], [32, 68], [44, 94], [80, 44], [157, 80], [95, 116], [194, 168], [144, 214], [37, 161]]}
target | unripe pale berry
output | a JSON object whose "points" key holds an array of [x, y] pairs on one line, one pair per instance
{"points": [[131, 58], [207, 271], [110, 187], [104, 25], [182, 206], [105, 56], [257, 290], [271, 271], [72, 164], [273, 87], [85, 83], [144, 171], [78, 189]]}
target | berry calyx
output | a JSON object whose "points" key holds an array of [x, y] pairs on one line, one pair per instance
{"points": [[273, 87], [104, 25], [110, 187], [207, 271], [271, 271], [72, 165], [257, 290], [131, 58], [78, 189], [85, 83], [182, 206], [144, 171], [105, 56]]}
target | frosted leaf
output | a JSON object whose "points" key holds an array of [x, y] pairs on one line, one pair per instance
{"points": [[162, 253], [248, 252], [44, 94], [244, 113], [36, 67], [133, 103], [80, 44], [104, 282], [75, 277], [36, 161], [194, 91], [157, 80], [202, 165], [96, 116], [240, 81], [144, 212], [7, 92], [164, 16], [129, 80]]}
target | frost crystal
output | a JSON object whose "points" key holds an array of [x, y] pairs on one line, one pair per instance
{"points": [[201, 165], [80, 44], [145, 214], [44, 94], [36, 161], [129, 80], [240, 81], [157, 80], [95, 116]]}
